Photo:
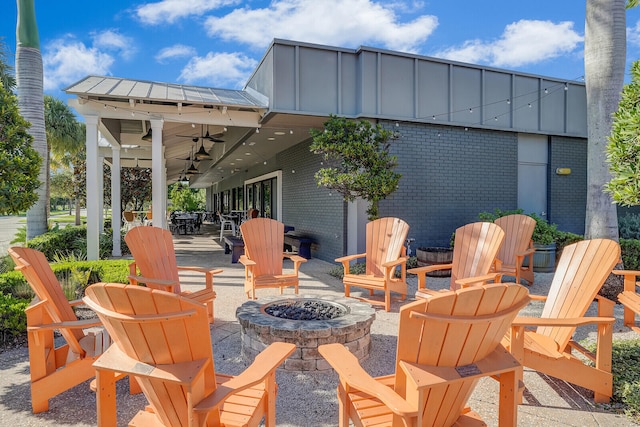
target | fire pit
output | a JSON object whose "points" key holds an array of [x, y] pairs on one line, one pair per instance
{"points": [[307, 321]]}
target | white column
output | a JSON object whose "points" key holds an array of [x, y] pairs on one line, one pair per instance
{"points": [[93, 209], [157, 170], [101, 193], [116, 215]]}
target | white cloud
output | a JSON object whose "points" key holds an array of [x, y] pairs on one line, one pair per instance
{"points": [[523, 42], [175, 51], [111, 40], [67, 60], [633, 34], [169, 11], [333, 22], [219, 69]]}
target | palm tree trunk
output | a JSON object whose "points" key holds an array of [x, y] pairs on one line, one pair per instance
{"points": [[29, 79], [604, 60]]}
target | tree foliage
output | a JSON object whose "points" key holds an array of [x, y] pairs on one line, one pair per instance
{"points": [[185, 199], [135, 188], [19, 162], [357, 160], [623, 150]]}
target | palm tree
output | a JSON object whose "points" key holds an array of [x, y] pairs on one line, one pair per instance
{"points": [[604, 61], [31, 103], [6, 71], [65, 137]]}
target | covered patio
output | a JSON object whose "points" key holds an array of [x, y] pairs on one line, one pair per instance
{"points": [[168, 128]]}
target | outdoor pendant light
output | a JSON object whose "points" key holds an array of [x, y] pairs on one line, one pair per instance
{"points": [[147, 136]]}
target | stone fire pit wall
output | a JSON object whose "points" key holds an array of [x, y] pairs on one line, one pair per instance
{"points": [[259, 329]]}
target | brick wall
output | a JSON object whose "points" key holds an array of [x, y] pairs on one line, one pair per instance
{"points": [[310, 209], [449, 175], [568, 193]]}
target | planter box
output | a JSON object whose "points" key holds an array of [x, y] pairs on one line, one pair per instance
{"points": [[435, 256], [544, 258]]}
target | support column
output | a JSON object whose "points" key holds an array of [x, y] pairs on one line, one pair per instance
{"points": [[157, 170], [116, 215], [93, 209], [101, 193]]}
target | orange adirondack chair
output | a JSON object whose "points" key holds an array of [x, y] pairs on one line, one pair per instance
{"points": [[155, 265], [517, 246], [629, 297], [581, 271], [263, 255], [56, 369], [385, 251], [474, 251], [445, 344], [164, 340]]}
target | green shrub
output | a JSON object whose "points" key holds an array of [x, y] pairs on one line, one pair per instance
{"points": [[13, 282], [544, 233], [629, 226], [61, 242], [564, 238], [13, 320], [625, 367], [630, 253]]}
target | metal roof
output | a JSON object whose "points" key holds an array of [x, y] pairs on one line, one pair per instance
{"points": [[119, 88]]}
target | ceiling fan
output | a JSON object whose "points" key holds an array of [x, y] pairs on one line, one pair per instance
{"points": [[213, 138]]}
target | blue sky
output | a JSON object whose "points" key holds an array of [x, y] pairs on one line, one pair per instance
{"points": [[218, 43]]}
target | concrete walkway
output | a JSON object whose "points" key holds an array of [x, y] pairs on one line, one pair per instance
{"points": [[304, 399]]}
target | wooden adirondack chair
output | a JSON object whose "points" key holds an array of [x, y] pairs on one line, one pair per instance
{"points": [[385, 251], [445, 344], [164, 340], [54, 369], [155, 265], [517, 246], [581, 271], [263, 255], [474, 251], [629, 297]]}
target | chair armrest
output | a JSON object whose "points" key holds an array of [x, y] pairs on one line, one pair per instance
{"points": [[630, 277], [481, 280], [421, 272], [76, 302], [297, 260], [264, 365], [571, 322], [350, 372], [201, 270], [169, 284], [538, 297], [72, 324], [350, 258], [396, 262], [246, 261]]}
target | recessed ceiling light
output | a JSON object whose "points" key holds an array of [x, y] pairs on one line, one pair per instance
{"points": [[238, 160], [271, 138], [232, 163], [278, 133], [252, 143], [247, 154]]}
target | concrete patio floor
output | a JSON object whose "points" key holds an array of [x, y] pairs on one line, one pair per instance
{"points": [[304, 398]]}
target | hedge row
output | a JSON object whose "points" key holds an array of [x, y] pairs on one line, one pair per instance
{"points": [[72, 240]]}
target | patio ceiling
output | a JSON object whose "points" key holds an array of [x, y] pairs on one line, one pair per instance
{"points": [[246, 135]]}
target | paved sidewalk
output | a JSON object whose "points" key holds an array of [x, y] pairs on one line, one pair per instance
{"points": [[304, 399]]}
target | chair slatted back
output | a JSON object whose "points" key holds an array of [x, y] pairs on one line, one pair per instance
{"points": [[518, 230], [36, 269], [158, 328], [455, 329], [384, 242], [474, 251], [581, 272], [264, 244], [152, 249]]}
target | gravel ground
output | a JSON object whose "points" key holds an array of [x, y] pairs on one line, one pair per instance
{"points": [[305, 398]]}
